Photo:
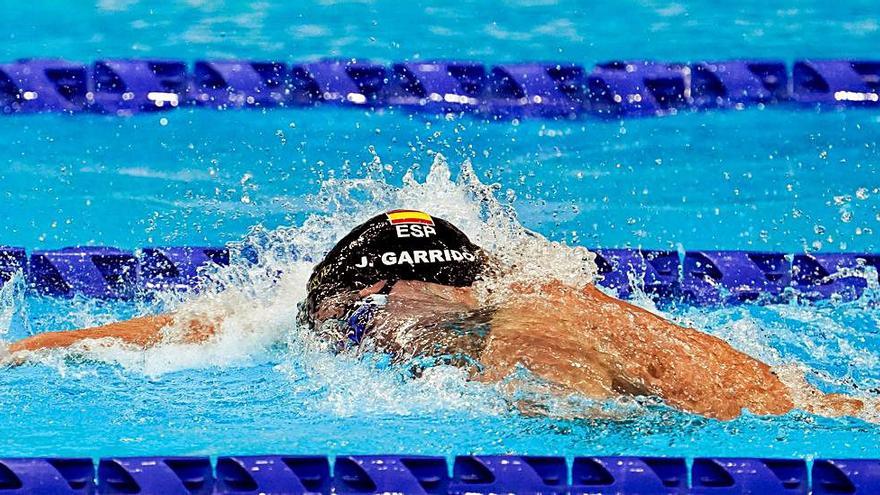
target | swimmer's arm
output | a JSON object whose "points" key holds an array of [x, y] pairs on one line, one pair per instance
{"points": [[601, 347], [144, 332], [688, 369], [701, 373]]}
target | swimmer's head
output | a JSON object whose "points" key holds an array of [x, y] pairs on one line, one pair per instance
{"points": [[397, 245]]}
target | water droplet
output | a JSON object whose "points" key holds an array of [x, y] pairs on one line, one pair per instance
{"points": [[818, 229], [862, 193]]}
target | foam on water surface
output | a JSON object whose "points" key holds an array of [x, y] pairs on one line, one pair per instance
{"points": [[254, 302]]}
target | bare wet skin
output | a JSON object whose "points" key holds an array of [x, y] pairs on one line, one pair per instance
{"points": [[579, 341], [585, 342]]}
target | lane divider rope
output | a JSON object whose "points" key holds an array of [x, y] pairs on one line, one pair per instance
{"points": [[553, 90], [695, 277], [483, 474]]}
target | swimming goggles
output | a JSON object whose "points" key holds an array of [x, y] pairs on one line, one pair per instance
{"points": [[363, 314]]}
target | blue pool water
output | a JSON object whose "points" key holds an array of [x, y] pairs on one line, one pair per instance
{"points": [[773, 179]]}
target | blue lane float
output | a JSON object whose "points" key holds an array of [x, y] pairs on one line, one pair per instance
{"points": [[734, 276], [100, 272], [61, 476], [477, 475], [614, 475], [37, 86], [176, 268], [346, 82], [441, 87], [637, 88], [654, 272], [130, 86], [735, 476], [272, 475], [12, 260], [613, 89], [165, 475], [536, 90], [694, 277], [509, 474], [822, 276], [238, 84], [416, 475], [836, 82], [738, 83], [846, 476]]}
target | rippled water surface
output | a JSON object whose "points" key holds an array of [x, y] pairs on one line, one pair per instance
{"points": [[771, 179]]}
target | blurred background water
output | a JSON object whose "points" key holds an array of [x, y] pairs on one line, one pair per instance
{"points": [[752, 179]]}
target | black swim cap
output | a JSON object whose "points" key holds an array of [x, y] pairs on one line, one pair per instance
{"points": [[397, 245]]}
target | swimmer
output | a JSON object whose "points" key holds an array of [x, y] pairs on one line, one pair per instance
{"points": [[402, 284]]}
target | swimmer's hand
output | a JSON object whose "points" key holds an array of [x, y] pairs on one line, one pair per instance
{"points": [[5, 356], [9, 359], [143, 332]]}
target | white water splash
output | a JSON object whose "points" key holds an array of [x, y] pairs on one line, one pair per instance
{"points": [[255, 301], [255, 298], [12, 306]]}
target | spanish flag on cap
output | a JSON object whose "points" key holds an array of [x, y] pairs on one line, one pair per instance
{"points": [[398, 217]]}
